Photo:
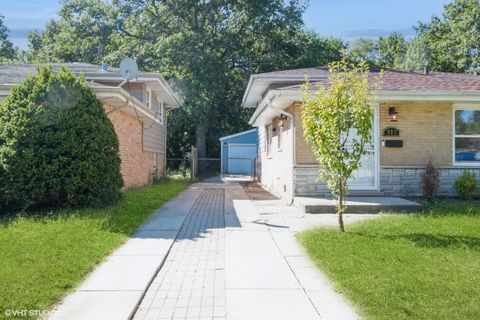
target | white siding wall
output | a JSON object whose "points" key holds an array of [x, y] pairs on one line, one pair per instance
{"points": [[276, 169], [154, 132], [135, 89]]}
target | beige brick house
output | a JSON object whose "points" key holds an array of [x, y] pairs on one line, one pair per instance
{"points": [[418, 117], [137, 111]]}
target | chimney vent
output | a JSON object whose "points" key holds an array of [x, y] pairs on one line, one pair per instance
{"points": [[426, 70], [104, 67]]}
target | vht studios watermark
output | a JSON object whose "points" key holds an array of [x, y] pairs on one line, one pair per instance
{"points": [[20, 313]]}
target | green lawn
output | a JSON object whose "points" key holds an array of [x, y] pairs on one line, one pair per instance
{"points": [[44, 257], [422, 266]]}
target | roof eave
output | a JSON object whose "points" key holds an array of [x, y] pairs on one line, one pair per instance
{"points": [[238, 134], [141, 76], [5, 88], [382, 95], [278, 78]]}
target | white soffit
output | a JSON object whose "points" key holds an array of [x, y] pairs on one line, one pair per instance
{"points": [[258, 85]]}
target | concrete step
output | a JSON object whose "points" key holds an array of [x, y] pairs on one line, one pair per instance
{"points": [[357, 205], [365, 193]]}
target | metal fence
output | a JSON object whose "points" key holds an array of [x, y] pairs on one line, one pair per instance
{"points": [[192, 167], [179, 168], [208, 168], [195, 168]]}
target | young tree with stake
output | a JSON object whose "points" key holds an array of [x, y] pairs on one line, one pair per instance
{"points": [[338, 121]]}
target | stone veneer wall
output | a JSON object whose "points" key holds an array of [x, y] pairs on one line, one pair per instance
{"points": [[408, 181], [306, 182], [394, 181]]}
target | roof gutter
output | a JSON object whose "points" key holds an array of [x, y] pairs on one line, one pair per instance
{"points": [[275, 78], [247, 90], [141, 76], [262, 106], [382, 95], [130, 101]]}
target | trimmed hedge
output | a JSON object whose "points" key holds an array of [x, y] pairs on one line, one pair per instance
{"points": [[57, 145]]}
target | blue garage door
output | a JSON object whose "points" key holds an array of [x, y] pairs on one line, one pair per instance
{"points": [[241, 158]]}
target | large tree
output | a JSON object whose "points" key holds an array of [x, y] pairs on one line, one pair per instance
{"points": [[361, 50], [209, 47], [453, 40], [390, 51], [416, 57], [7, 51], [384, 52]]}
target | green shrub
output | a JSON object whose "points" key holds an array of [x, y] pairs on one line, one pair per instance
{"points": [[57, 145], [466, 185]]}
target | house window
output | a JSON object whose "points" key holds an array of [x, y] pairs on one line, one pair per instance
{"points": [[148, 98], [269, 139], [467, 136], [160, 110]]}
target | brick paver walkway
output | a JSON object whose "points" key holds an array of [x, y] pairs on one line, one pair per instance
{"points": [[191, 283]]}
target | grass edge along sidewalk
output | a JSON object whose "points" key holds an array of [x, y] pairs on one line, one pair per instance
{"points": [[417, 266], [44, 257]]}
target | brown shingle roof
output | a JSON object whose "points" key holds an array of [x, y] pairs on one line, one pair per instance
{"points": [[16, 73], [400, 80]]}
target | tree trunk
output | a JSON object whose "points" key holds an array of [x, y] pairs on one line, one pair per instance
{"points": [[340, 221], [341, 207], [201, 137]]}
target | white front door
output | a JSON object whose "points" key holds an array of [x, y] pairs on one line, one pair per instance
{"points": [[366, 177]]}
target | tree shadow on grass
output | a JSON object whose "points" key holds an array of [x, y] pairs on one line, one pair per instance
{"points": [[452, 208], [427, 240], [441, 240]]}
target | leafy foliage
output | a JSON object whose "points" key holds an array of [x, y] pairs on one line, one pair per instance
{"points": [[385, 52], [7, 51], [337, 122], [57, 145], [466, 185], [391, 51], [450, 43], [210, 48], [453, 40], [430, 180], [361, 50], [416, 57]]}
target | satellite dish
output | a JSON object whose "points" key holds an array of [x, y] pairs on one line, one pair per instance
{"points": [[128, 69]]}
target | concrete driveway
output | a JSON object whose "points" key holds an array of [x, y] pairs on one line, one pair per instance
{"points": [[213, 253]]}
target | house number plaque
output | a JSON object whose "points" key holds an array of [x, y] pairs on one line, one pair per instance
{"points": [[391, 132]]}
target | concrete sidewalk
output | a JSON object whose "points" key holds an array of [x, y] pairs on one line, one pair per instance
{"points": [[115, 287], [268, 274], [212, 253]]}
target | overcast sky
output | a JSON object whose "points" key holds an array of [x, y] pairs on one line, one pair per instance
{"points": [[346, 19]]}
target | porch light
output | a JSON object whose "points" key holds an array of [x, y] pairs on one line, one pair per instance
{"points": [[225, 144], [392, 112], [282, 121]]}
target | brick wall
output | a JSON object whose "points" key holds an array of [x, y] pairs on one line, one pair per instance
{"points": [[426, 131], [425, 128], [137, 165], [303, 151]]}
